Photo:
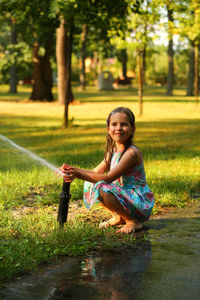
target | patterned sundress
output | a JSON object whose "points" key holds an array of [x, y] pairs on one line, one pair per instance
{"points": [[130, 189]]}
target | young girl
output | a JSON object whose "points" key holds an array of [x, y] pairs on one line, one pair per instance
{"points": [[118, 183]]}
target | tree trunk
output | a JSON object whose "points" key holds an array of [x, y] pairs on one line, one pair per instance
{"points": [[64, 41], [100, 66], [83, 57], [42, 74], [69, 95], [13, 80], [140, 83], [196, 80], [95, 63], [13, 75], [191, 73], [144, 65], [47, 72], [124, 63], [38, 85], [170, 77], [61, 41]]}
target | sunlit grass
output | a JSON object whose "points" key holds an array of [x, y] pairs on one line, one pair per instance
{"points": [[164, 133], [168, 134]]}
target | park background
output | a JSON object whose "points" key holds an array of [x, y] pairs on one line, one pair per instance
{"points": [[52, 54]]}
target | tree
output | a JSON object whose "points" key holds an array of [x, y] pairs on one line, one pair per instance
{"points": [[15, 62], [135, 35], [64, 41], [13, 74], [83, 56], [124, 59], [170, 77], [189, 18], [36, 29], [42, 73], [42, 40], [191, 72], [73, 12]]}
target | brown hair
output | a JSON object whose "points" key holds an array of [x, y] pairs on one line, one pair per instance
{"points": [[110, 147]]}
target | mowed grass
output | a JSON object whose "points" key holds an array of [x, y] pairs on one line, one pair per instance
{"points": [[168, 134]]}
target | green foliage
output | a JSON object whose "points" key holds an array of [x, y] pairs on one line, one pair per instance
{"points": [[138, 26], [18, 55], [188, 16], [156, 70], [181, 66], [125, 24]]}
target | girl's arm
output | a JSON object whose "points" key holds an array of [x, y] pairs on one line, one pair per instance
{"points": [[130, 157], [100, 169]]}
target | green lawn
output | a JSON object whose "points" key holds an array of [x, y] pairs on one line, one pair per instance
{"points": [[168, 135]]}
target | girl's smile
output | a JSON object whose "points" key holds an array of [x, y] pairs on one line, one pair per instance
{"points": [[120, 128]]}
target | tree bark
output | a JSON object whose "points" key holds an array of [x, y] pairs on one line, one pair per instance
{"points": [[13, 80], [38, 85], [95, 63], [140, 82], [170, 77], [64, 41], [191, 73], [144, 65], [47, 72], [42, 74], [61, 40], [13, 75], [69, 95], [196, 80], [83, 57], [124, 63]]}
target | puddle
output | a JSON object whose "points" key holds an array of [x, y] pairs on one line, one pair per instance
{"points": [[164, 264]]}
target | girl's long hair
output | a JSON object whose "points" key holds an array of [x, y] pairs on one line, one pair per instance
{"points": [[111, 147]]}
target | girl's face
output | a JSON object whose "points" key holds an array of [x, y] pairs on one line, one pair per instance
{"points": [[120, 128]]}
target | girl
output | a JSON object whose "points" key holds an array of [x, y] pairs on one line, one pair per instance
{"points": [[118, 183]]}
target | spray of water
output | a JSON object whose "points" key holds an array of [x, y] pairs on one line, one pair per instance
{"points": [[30, 154]]}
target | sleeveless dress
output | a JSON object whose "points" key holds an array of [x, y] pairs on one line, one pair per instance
{"points": [[130, 189]]}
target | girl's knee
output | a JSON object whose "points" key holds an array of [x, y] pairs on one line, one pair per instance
{"points": [[102, 195], [106, 196]]}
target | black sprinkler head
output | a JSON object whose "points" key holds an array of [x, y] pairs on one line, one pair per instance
{"points": [[63, 204]]}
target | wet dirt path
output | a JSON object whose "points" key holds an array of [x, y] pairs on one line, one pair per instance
{"points": [[164, 264]]}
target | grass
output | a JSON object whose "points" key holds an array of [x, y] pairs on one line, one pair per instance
{"points": [[168, 135]]}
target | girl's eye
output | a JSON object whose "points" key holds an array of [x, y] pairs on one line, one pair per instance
{"points": [[121, 124], [124, 124]]}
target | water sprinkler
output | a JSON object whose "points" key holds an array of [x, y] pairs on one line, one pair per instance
{"points": [[63, 204]]}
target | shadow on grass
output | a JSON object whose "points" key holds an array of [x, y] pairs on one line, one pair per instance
{"points": [[151, 94], [91, 94], [161, 140]]}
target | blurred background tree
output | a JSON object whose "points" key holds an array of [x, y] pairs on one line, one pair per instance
{"points": [[68, 43]]}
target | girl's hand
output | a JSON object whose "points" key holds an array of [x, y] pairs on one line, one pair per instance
{"points": [[58, 172], [69, 173], [64, 167]]}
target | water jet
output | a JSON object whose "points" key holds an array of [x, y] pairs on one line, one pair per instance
{"points": [[64, 195]]}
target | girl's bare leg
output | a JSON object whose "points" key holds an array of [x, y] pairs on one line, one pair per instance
{"points": [[112, 203], [115, 220]]}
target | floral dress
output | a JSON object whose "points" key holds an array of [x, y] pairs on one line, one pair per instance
{"points": [[130, 189]]}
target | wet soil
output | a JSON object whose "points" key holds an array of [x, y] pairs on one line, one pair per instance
{"points": [[163, 264]]}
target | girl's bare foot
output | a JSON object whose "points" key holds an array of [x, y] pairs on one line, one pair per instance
{"points": [[130, 227], [117, 220]]}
